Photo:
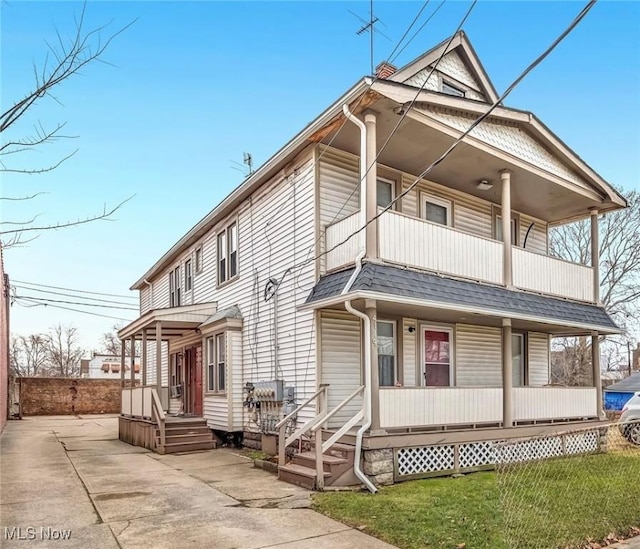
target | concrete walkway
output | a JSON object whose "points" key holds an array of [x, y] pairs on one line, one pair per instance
{"points": [[73, 474]]}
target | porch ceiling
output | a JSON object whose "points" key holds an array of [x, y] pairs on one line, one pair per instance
{"points": [[175, 321], [420, 141]]}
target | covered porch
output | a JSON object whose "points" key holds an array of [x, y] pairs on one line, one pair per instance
{"points": [[450, 355]]}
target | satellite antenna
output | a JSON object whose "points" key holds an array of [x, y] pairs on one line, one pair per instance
{"points": [[369, 26]]}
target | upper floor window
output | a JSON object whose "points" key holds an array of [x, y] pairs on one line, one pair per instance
{"points": [[188, 276], [228, 253], [450, 89], [216, 364], [198, 260], [385, 192], [175, 287], [498, 229], [436, 210], [518, 358]]}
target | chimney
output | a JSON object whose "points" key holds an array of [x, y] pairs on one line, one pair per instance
{"points": [[384, 70]]}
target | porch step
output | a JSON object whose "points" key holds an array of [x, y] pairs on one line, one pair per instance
{"points": [[200, 430], [185, 434], [184, 446], [299, 475], [308, 459], [170, 438]]}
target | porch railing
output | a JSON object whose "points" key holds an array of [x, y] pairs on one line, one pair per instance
{"points": [[438, 406], [144, 403], [343, 254], [315, 426]]}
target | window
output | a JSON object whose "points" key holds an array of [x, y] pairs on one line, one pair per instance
{"points": [[386, 353], [436, 210], [198, 260], [437, 357], [228, 253], [188, 277], [216, 366], [385, 192], [514, 229], [518, 360], [450, 89], [175, 287], [176, 369]]}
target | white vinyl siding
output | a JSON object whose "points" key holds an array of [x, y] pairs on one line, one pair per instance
{"points": [[537, 239], [409, 350], [275, 230], [338, 179], [538, 350], [145, 299], [235, 382], [478, 356], [341, 362]]}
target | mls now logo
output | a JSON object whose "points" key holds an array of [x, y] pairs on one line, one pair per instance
{"points": [[31, 533]]}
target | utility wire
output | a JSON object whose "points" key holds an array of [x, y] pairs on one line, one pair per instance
{"points": [[34, 298], [74, 290], [476, 122], [51, 292], [417, 32], [78, 311]]}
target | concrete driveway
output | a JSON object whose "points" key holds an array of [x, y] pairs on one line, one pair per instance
{"points": [[69, 482]]}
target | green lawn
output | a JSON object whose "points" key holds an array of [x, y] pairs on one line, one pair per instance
{"points": [[557, 503]]}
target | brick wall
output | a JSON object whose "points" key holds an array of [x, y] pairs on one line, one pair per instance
{"points": [[42, 396]]}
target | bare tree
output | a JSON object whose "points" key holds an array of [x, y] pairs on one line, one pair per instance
{"points": [[64, 59], [619, 234], [64, 351], [112, 345], [29, 355]]}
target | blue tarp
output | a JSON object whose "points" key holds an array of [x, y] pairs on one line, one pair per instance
{"points": [[614, 401]]}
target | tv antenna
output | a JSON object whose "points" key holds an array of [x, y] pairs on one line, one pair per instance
{"points": [[247, 162], [369, 26]]}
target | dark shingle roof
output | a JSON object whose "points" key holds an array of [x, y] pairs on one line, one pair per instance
{"points": [[391, 280], [628, 385]]}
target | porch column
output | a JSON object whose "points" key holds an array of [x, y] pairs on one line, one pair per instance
{"points": [[370, 308], [133, 360], [507, 276], [159, 358], [507, 374], [123, 342], [143, 359], [595, 255], [372, 187], [595, 362]]}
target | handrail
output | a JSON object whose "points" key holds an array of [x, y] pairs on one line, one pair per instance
{"points": [[157, 413], [312, 397], [338, 408], [283, 442]]}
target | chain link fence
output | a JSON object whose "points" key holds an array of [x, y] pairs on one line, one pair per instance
{"points": [[558, 491]]}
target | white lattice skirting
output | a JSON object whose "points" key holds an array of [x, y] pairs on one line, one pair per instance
{"points": [[424, 460]]}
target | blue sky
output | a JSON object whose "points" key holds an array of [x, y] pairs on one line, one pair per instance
{"points": [[191, 86]]}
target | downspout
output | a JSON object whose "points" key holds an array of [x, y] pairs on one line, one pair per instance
{"points": [[150, 293], [366, 422]]}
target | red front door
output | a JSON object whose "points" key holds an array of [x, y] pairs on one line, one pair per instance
{"points": [[194, 376]]}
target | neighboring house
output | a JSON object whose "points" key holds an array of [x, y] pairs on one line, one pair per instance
{"points": [[435, 319], [108, 367], [4, 343], [618, 394]]}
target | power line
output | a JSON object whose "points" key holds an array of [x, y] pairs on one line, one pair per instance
{"points": [[74, 290], [33, 298], [78, 311], [478, 121], [393, 58], [51, 292]]}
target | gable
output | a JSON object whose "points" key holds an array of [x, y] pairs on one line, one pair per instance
{"points": [[451, 69], [460, 67]]}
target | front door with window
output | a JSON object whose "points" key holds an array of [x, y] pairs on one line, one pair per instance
{"points": [[437, 359]]}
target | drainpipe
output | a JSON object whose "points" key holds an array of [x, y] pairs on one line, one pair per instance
{"points": [[366, 423], [363, 172], [150, 292]]}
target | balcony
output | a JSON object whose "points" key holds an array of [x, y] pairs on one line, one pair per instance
{"points": [[413, 242], [437, 406]]}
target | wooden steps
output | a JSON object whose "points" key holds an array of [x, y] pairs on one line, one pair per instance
{"points": [[337, 464], [185, 435]]}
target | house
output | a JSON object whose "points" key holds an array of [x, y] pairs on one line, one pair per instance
{"points": [[399, 341], [4, 343], [104, 366], [618, 394]]}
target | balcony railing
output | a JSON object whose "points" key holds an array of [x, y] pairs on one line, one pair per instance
{"points": [[436, 406], [417, 243]]}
